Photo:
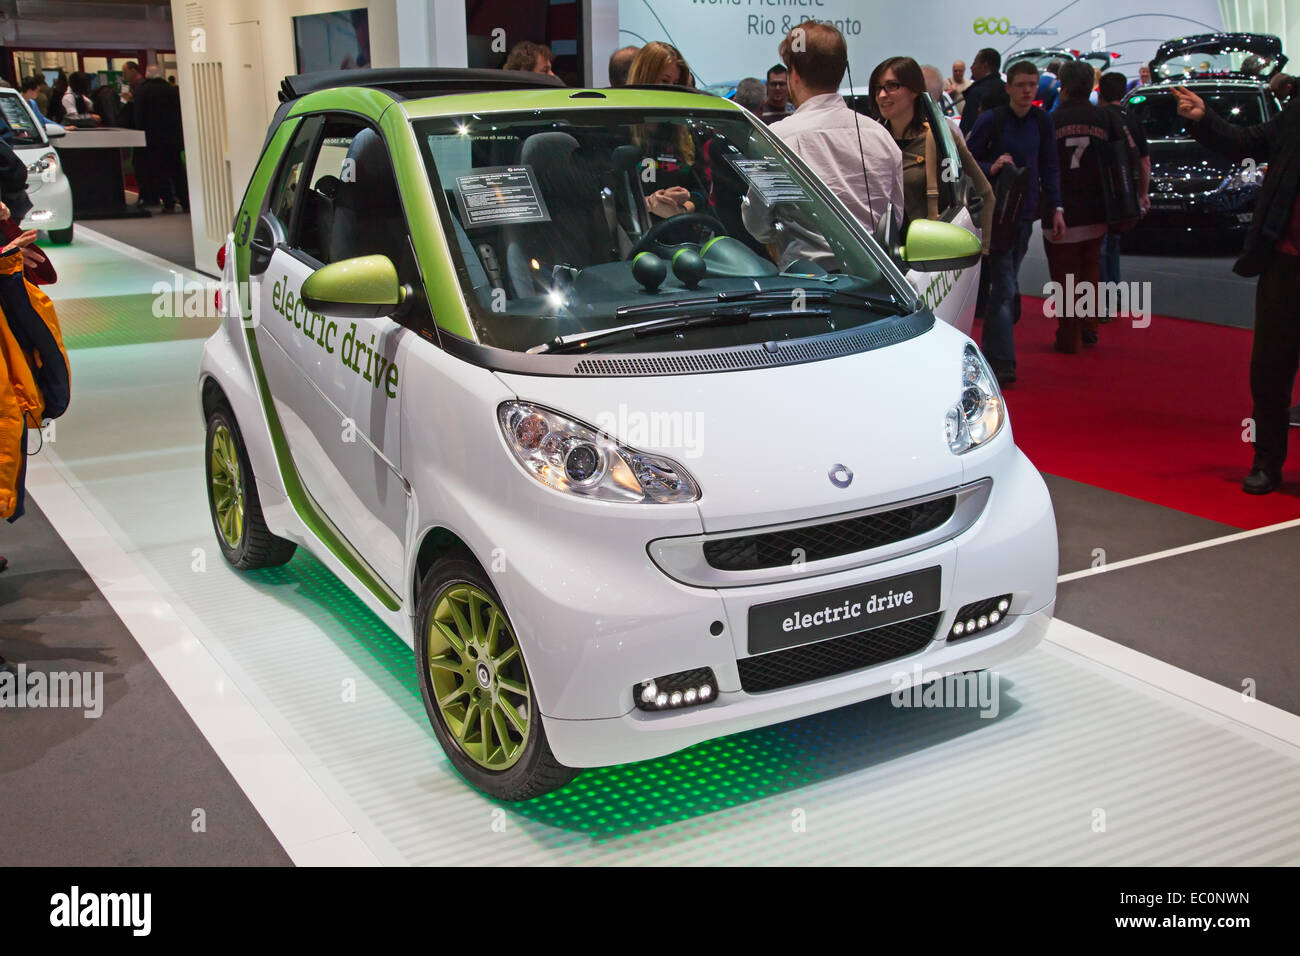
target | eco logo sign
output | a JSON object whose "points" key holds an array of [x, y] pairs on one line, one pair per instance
{"points": [[1002, 26], [992, 25]]}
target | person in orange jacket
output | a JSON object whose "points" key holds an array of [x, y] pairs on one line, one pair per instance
{"points": [[35, 378]]}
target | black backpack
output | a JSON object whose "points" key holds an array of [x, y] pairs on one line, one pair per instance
{"points": [[1118, 179]]}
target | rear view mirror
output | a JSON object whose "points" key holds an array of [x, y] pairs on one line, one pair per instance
{"points": [[939, 247], [362, 288], [54, 131]]}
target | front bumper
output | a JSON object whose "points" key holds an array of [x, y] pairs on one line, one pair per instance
{"points": [[641, 735], [595, 618]]}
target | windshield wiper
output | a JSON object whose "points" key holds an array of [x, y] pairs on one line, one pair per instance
{"points": [[713, 318], [877, 302]]}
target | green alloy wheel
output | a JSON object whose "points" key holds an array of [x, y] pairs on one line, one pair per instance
{"points": [[227, 486], [476, 687], [245, 540]]}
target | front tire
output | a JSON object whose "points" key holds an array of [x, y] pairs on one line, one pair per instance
{"points": [[61, 237], [246, 542], [476, 687]]}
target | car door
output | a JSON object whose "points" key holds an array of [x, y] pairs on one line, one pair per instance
{"points": [[950, 295], [335, 379]]}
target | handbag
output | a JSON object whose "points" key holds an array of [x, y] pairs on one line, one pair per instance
{"points": [[1009, 188]]}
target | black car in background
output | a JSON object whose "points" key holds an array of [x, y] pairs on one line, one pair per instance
{"points": [[1197, 195]]}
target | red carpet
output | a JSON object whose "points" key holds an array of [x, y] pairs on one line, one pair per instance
{"points": [[1153, 413]]}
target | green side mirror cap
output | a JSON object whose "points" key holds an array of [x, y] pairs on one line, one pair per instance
{"points": [[362, 288], [939, 246]]}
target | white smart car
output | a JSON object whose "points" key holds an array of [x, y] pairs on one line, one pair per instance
{"points": [[625, 477], [47, 185]]}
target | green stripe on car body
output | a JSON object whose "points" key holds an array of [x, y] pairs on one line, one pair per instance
{"points": [[312, 515]]}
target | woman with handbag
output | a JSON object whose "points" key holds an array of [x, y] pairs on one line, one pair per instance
{"points": [[896, 86]]}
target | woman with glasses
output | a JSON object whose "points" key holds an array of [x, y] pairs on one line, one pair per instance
{"points": [[896, 87]]}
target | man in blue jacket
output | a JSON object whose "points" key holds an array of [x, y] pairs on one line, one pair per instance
{"points": [[1019, 135]]}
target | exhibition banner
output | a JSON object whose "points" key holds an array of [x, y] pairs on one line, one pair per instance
{"points": [[726, 40]]}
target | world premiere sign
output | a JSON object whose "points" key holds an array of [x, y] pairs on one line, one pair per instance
{"points": [[776, 18]]}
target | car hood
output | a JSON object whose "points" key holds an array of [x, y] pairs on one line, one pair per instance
{"points": [[1187, 166], [1214, 44], [762, 443]]}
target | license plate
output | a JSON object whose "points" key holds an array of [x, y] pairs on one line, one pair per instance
{"points": [[1167, 206], [817, 617]]}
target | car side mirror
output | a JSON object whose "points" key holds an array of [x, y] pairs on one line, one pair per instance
{"points": [[933, 246], [54, 131], [366, 287]]}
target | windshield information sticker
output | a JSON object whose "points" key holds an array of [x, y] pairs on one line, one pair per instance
{"points": [[770, 179], [500, 194]]}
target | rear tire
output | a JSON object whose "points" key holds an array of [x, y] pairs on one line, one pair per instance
{"points": [[246, 542], [476, 688]]}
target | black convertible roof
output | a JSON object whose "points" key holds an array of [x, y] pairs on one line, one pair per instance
{"points": [[415, 82]]}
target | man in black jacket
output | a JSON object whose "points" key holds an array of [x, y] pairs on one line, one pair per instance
{"points": [[986, 74], [157, 112], [1271, 252]]}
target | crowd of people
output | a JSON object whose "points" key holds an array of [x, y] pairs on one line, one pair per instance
{"points": [[1057, 142], [146, 100]]}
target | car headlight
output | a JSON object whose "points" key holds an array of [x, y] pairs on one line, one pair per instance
{"points": [[979, 412], [572, 457], [49, 162]]}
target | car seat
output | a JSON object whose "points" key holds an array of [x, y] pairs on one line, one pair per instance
{"points": [[578, 191], [367, 211]]}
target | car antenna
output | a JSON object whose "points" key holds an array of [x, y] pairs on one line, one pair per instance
{"points": [[862, 159]]}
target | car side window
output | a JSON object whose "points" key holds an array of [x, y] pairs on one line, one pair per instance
{"points": [[288, 187], [351, 205]]}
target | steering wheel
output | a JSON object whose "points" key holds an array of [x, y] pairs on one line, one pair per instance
{"points": [[651, 238]]}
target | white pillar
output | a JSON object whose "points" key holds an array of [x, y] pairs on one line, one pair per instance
{"points": [[600, 35], [431, 33]]}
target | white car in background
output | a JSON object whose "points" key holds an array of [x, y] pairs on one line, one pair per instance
{"points": [[47, 185]]}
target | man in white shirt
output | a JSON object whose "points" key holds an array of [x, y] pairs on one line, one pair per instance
{"points": [[957, 85], [837, 143]]}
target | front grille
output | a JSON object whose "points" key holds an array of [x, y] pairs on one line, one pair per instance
{"points": [[837, 656], [775, 549]]}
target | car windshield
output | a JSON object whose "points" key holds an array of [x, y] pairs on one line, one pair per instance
{"points": [[1218, 62], [1158, 111], [568, 226], [20, 121]]}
